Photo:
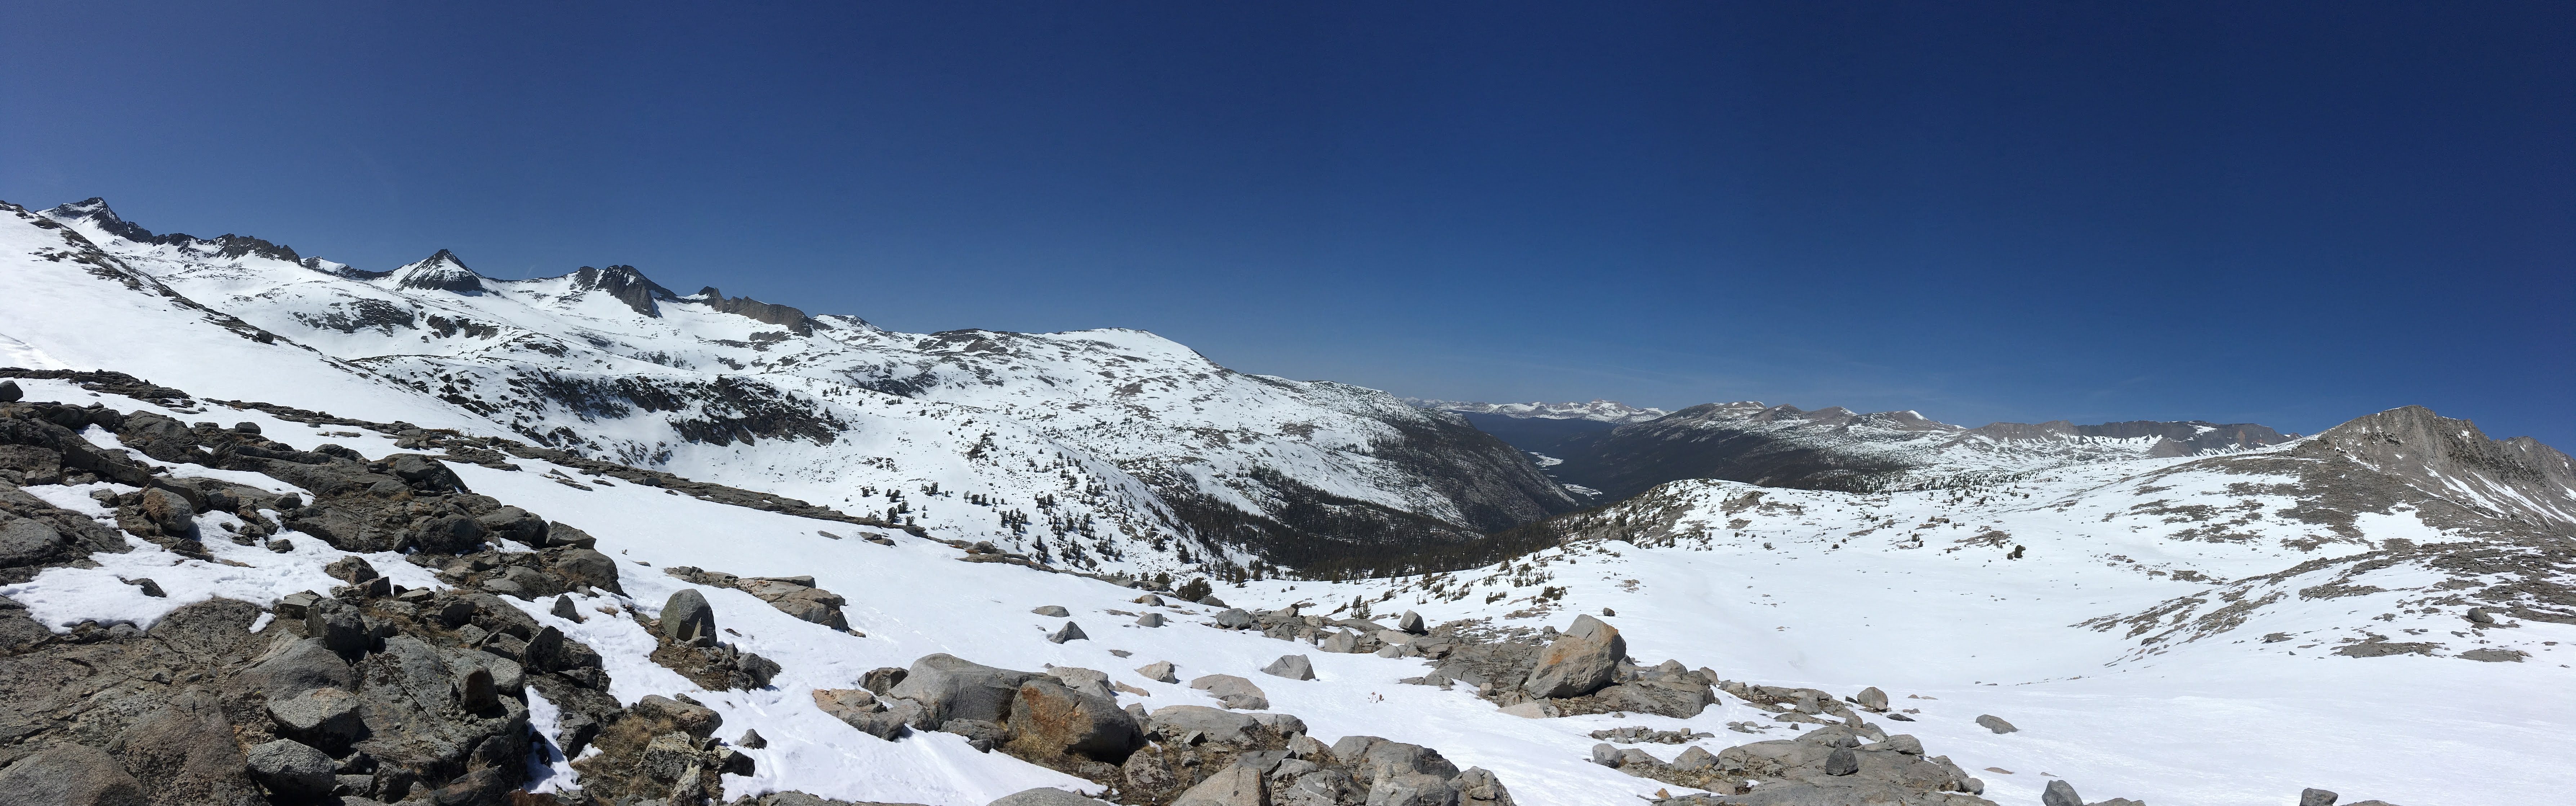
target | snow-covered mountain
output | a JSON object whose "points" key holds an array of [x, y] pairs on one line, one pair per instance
{"points": [[1607, 411], [1836, 448], [452, 585], [1110, 449]]}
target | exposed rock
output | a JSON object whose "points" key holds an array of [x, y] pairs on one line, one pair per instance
{"points": [[1234, 618], [751, 740], [1044, 796], [687, 618], [2059, 793], [1234, 692], [1069, 631], [1161, 671], [1579, 662], [323, 717], [1051, 718], [1057, 611], [1293, 667], [949, 687], [1872, 699], [1150, 620], [1995, 723], [293, 767], [69, 775], [862, 710]]}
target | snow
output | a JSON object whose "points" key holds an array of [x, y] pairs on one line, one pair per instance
{"points": [[1908, 591]]}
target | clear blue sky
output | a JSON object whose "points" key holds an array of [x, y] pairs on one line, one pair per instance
{"points": [[2274, 212]]}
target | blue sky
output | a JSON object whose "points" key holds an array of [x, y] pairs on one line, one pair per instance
{"points": [[2282, 213]]}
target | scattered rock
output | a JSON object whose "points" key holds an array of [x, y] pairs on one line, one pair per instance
{"points": [[1160, 671], [2059, 793], [1579, 662], [565, 609], [1044, 796], [1068, 632], [1410, 622], [688, 619], [2493, 655], [1293, 667], [1234, 692], [1056, 611], [751, 739], [1235, 619], [1150, 620], [2317, 797], [293, 767], [1872, 699], [1996, 724]]}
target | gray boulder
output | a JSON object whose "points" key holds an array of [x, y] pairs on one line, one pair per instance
{"points": [[693, 719], [2317, 797], [339, 625], [949, 687], [1068, 632], [1057, 611], [1044, 796], [582, 566], [10, 393], [1239, 784], [1995, 723], [291, 766], [1150, 620], [1478, 786], [686, 617], [1087, 681], [1410, 622], [1234, 692], [1579, 662], [1842, 762], [1872, 699], [69, 775], [2060, 793], [322, 717], [1058, 719], [1234, 618], [26, 541], [169, 511], [1161, 671], [566, 610], [296, 667], [1214, 724], [1293, 667], [865, 711]]}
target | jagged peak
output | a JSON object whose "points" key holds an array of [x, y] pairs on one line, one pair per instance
{"points": [[440, 272], [96, 212], [627, 285]]}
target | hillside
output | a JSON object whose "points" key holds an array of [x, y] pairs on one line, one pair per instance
{"points": [[1114, 449]]}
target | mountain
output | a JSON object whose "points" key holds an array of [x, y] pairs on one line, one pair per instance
{"points": [[1605, 411], [1836, 448], [1109, 449]]}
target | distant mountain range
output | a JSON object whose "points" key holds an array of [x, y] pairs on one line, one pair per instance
{"points": [[1827, 449]]}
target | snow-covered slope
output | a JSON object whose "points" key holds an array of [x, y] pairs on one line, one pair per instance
{"points": [[1836, 448], [1115, 449], [2215, 630]]}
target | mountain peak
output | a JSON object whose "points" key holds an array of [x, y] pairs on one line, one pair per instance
{"points": [[95, 211], [441, 272], [627, 285]]}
